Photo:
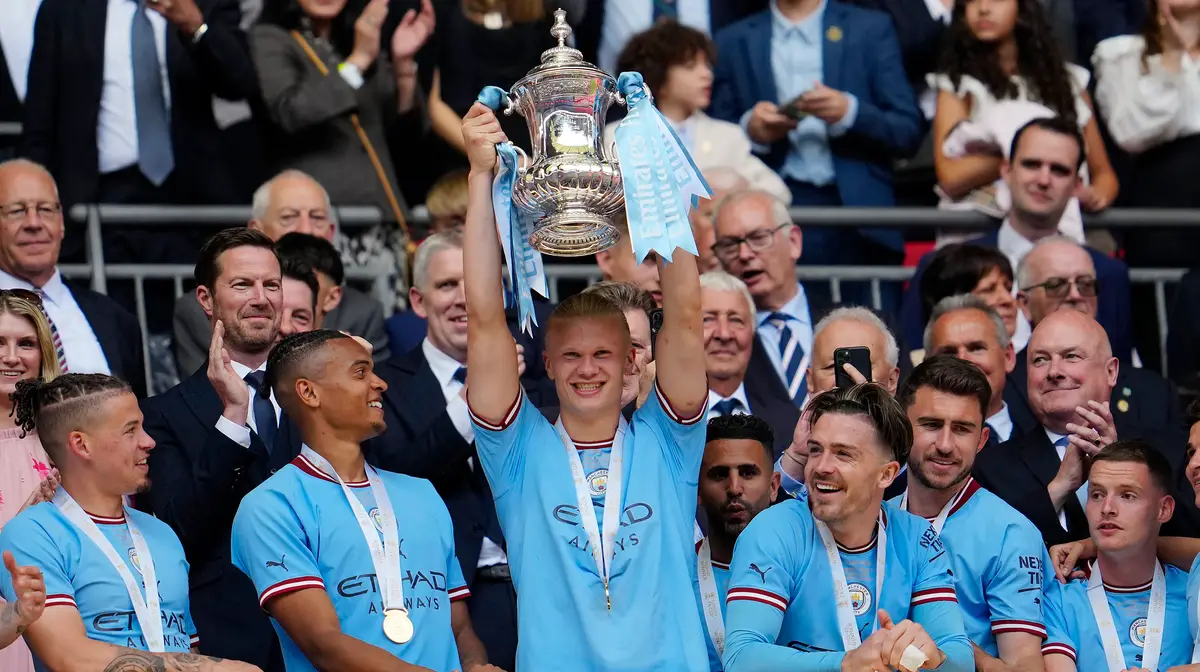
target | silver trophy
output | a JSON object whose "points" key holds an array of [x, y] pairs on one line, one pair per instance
{"points": [[572, 187]]}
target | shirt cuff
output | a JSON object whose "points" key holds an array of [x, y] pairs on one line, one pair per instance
{"points": [[839, 129], [239, 434], [744, 122], [460, 415], [790, 485]]}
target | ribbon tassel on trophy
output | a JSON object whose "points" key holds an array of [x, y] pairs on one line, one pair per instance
{"points": [[563, 200]]}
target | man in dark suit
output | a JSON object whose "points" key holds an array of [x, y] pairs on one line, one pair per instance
{"points": [[217, 438], [965, 327], [1043, 473], [1042, 174], [1183, 334], [429, 434], [292, 203], [98, 336], [10, 99], [728, 312], [821, 90]]}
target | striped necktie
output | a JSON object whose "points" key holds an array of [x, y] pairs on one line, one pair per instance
{"points": [[727, 406], [791, 355], [55, 337]]}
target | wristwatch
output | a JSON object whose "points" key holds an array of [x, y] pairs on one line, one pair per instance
{"points": [[351, 74]]}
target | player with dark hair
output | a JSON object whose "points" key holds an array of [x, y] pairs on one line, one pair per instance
{"points": [[815, 583], [355, 566], [996, 553], [737, 482], [97, 555]]}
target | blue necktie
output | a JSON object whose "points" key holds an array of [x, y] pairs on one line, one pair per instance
{"points": [[264, 411], [727, 406], [460, 375], [1082, 493], [155, 158], [664, 9], [791, 353]]}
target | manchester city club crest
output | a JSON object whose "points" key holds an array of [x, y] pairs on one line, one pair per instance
{"points": [[860, 598], [377, 519], [133, 560], [598, 482], [1137, 633]]}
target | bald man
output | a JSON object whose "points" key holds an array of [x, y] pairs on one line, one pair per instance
{"points": [[1043, 474], [290, 202], [1059, 275]]}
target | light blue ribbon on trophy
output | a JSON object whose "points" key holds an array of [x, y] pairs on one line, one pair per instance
{"points": [[661, 181], [526, 273]]}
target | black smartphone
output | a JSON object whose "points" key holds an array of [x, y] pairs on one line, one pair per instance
{"points": [[656, 322], [858, 357]]}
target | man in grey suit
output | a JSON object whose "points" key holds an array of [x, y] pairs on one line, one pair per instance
{"points": [[291, 202]]}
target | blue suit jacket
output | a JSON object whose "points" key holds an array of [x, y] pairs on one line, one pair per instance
{"points": [[1113, 311], [863, 60]]}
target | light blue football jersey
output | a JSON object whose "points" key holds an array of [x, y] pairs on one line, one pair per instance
{"points": [[654, 623], [1193, 600], [78, 574], [297, 531], [1072, 629], [782, 613], [999, 562]]}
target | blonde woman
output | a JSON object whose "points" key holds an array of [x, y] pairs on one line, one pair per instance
{"points": [[26, 475]]}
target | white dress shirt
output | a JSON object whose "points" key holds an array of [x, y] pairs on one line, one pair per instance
{"points": [[739, 394], [443, 367], [625, 18], [116, 125], [240, 434], [1015, 246], [1001, 424], [82, 349], [16, 37]]}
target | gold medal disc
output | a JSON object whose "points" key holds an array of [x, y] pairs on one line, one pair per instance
{"points": [[397, 626]]}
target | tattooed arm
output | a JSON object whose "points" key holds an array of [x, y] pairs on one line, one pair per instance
{"points": [[60, 641], [30, 592]]}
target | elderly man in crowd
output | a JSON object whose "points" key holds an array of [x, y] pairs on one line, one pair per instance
{"points": [[290, 202], [92, 333], [966, 327], [1058, 274], [729, 327], [1043, 474]]}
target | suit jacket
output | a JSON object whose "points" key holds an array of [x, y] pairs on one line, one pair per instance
{"points": [[721, 13], [769, 400], [421, 440], [1113, 310], [1183, 333], [919, 33], [10, 104], [358, 314], [720, 144], [199, 478], [119, 334], [1018, 411], [406, 331], [66, 75], [860, 56]]}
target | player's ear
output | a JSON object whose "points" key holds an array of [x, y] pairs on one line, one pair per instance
{"points": [[776, 483], [1166, 508], [891, 469], [307, 393]]}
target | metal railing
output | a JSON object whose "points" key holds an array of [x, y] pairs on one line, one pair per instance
{"points": [[377, 273]]}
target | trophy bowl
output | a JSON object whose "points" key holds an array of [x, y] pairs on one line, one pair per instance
{"points": [[571, 188]]}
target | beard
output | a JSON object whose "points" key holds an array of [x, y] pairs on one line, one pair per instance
{"points": [[920, 475]]}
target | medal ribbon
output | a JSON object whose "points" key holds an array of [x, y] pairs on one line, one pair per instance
{"points": [[1155, 618], [385, 553], [939, 522], [145, 609], [1196, 644], [841, 592], [710, 599], [604, 548]]}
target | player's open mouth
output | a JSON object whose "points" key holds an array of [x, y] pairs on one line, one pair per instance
{"points": [[587, 389], [375, 404], [826, 488], [1108, 527]]}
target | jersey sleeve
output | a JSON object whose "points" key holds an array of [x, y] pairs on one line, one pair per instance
{"points": [[680, 439], [270, 546], [1058, 637], [33, 544], [1193, 586], [1014, 590], [935, 605], [502, 448]]}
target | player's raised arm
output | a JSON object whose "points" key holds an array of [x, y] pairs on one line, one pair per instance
{"points": [[493, 381], [679, 354]]}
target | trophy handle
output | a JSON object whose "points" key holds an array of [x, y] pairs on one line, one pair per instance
{"points": [[524, 162], [510, 104]]}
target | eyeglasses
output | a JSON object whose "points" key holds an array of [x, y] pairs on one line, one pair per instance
{"points": [[1058, 288], [16, 212], [758, 241]]}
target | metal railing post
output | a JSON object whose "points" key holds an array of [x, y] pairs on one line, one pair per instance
{"points": [[95, 250]]}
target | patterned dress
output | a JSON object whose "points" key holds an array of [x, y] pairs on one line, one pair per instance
{"points": [[23, 464]]}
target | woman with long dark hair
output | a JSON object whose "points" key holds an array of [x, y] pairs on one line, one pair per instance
{"points": [[1001, 50]]}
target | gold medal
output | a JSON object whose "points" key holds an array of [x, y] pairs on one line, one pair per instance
{"points": [[397, 626]]}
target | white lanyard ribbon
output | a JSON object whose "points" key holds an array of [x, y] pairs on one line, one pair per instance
{"points": [[939, 522], [841, 592], [1108, 629], [385, 553], [710, 599], [604, 548], [1196, 643], [145, 609]]}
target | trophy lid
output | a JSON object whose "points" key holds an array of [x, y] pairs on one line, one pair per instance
{"points": [[563, 58]]}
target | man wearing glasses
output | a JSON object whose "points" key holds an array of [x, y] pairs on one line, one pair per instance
{"points": [[1058, 274]]}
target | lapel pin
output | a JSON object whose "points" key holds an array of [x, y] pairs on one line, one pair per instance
{"points": [[1123, 406], [833, 34], [1126, 392]]}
